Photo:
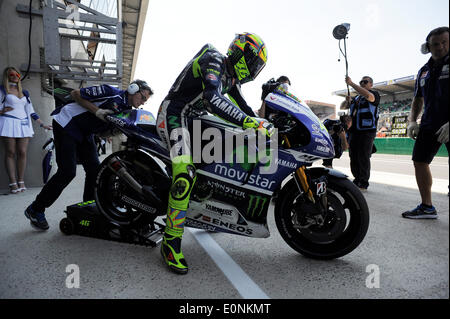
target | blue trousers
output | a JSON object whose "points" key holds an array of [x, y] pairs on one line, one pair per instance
{"points": [[68, 152]]}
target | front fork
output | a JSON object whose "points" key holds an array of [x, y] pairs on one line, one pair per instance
{"points": [[303, 185], [300, 179]]}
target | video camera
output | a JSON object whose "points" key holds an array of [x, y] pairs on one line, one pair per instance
{"points": [[269, 87], [336, 125], [339, 127]]}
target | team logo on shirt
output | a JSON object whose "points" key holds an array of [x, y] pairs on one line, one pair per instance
{"points": [[226, 107], [424, 74], [93, 90], [444, 72], [423, 78]]}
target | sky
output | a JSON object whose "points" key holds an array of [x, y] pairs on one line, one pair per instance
{"points": [[383, 42]]}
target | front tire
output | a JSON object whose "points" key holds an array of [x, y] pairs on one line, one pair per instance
{"points": [[344, 226]]}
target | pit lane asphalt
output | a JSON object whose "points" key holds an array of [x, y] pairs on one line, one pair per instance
{"points": [[411, 255]]}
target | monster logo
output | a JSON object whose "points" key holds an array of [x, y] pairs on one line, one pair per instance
{"points": [[242, 69], [256, 205]]}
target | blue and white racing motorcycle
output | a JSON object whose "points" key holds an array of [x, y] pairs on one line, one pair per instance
{"points": [[318, 211]]}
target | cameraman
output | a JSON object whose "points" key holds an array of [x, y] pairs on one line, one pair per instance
{"points": [[269, 87], [337, 130]]}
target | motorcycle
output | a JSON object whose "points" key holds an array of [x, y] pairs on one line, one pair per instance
{"points": [[318, 211]]}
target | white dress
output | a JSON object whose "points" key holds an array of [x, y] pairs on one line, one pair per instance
{"points": [[17, 122]]}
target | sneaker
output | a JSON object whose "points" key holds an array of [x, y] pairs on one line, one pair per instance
{"points": [[172, 255], [37, 219], [421, 212]]}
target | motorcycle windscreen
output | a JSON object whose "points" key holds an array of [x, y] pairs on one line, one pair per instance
{"points": [[321, 144]]}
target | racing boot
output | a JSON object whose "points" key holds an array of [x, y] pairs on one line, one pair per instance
{"points": [[183, 172], [171, 244]]}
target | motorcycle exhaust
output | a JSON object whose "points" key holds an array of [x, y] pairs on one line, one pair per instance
{"points": [[116, 166]]}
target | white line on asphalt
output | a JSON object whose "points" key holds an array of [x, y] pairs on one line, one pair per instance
{"points": [[410, 162], [246, 287]]}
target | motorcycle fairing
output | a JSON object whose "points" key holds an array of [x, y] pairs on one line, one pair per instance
{"points": [[226, 206], [247, 214], [320, 145], [141, 125], [198, 216], [246, 171]]}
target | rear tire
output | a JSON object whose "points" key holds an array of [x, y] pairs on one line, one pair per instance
{"points": [[111, 191], [345, 226]]}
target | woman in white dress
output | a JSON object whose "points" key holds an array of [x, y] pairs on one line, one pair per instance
{"points": [[16, 112]]}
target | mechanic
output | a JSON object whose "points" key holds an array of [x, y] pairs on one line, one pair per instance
{"points": [[431, 95], [73, 127]]}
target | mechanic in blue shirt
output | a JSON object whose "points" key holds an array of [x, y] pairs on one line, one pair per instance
{"points": [[73, 127], [431, 94]]}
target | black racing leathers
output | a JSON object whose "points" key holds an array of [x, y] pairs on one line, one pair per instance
{"points": [[203, 83], [207, 73]]}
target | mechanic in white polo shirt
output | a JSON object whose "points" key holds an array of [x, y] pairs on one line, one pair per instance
{"points": [[74, 125]]}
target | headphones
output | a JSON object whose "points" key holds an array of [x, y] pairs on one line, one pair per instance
{"points": [[425, 47], [133, 88], [138, 85]]}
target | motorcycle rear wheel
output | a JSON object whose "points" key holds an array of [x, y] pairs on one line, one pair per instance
{"points": [[112, 193], [345, 225]]}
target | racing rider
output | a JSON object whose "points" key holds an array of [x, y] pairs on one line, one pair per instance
{"points": [[202, 85]]}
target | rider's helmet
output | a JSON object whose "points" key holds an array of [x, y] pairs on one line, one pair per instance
{"points": [[248, 55]]}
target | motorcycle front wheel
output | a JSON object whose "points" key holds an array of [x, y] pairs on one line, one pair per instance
{"points": [[334, 233]]}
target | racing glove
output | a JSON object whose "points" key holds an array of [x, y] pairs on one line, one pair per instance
{"points": [[412, 130], [267, 128], [101, 113], [442, 134]]}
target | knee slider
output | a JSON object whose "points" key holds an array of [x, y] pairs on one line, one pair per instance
{"points": [[183, 183]]}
